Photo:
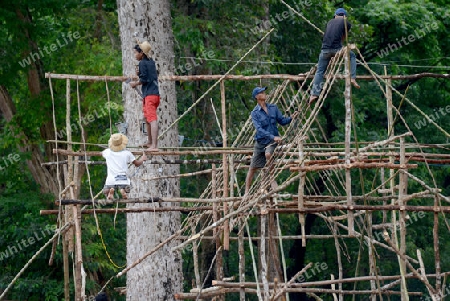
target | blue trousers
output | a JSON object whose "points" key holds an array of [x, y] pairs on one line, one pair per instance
{"points": [[324, 59]]}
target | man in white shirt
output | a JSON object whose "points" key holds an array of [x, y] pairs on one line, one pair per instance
{"points": [[117, 160]]}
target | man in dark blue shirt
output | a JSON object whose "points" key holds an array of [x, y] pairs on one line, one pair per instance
{"points": [[331, 44], [265, 118], [148, 78]]}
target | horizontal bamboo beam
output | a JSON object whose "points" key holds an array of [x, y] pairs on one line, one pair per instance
{"points": [[133, 210], [227, 284], [155, 161], [361, 165], [311, 200], [64, 202], [443, 209], [211, 294], [299, 77], [209, 151]]}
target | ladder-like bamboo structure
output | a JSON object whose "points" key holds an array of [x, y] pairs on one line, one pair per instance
{"points": [[306, 156]]}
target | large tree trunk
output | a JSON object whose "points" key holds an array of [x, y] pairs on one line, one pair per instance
{"points": [[159, 276]]}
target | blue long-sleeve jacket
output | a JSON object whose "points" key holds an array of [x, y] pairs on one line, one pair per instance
{"points": [[148, 77], [266, 124]]}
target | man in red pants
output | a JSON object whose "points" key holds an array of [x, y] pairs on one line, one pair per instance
{"points": [[148, 78]]}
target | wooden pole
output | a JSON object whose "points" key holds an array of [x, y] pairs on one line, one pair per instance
{"points": [[262, 252], [66, 268], [372, 261], [226, 230], [216, 230], [299, 77], [198, 283], [348, 133], [301, 191], [437, 257], [401, 193], [241, 252]]}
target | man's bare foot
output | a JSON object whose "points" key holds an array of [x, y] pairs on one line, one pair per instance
{"points": [[111, 194], [124, 194], [312, 99], [153, 149], [354, 83]]}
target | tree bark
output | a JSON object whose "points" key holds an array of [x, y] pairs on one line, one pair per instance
{"points": [[160, 275]]}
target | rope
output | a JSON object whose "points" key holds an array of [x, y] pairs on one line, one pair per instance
{"points": [[215, 84], [97, 224], [32, 259], [56, 143]]}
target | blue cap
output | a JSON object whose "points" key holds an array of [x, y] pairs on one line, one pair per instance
{"points": [[340, 11], [258, 90]]}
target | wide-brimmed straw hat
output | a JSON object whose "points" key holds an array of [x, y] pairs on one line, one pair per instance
{"points": [[146, 48], [117, 142]]}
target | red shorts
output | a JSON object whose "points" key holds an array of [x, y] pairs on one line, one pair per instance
{"points": [[151, 103]]}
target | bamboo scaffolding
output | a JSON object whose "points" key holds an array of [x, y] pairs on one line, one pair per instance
{"points": [[346, 206]]}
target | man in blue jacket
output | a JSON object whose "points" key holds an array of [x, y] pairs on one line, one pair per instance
{"points": [[331, 44], [265, 118]]}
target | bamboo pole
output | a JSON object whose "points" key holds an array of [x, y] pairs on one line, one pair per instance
{"points": [[204, 152], [217, 230], [402, 216], [299, 77], [198, 283], [262, 252], [301, 191], [325, 208], [371, 255], [241, 253], [308, 152], [348, 166], [437, 257], [226, 226], [339, 257], [322, 283], [79, 292], [310, 200]]}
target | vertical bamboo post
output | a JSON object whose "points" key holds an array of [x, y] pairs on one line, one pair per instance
{"points": [[437, 257], [226, 232], [66, 269], [262, 252], [301, 191], [348, 132], [241, 252], [339, 259], [216, 230], [383, 187], [402, 217], [74, 214], [195, 255], [372, 264]]}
